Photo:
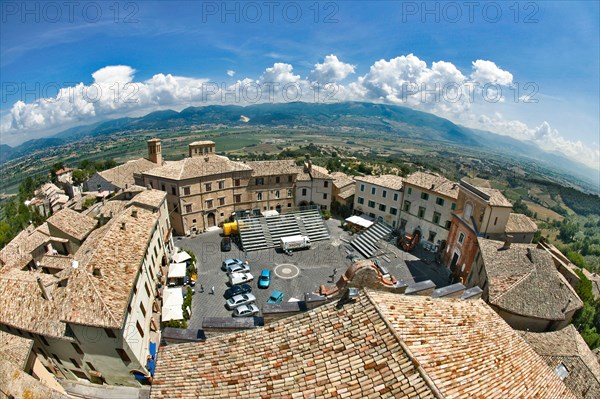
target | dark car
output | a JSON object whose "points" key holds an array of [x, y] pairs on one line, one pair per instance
{"points": [[237, 290], [226, 244]]}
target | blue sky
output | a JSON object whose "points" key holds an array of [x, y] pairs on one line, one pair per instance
{"points": [[552, 44]]}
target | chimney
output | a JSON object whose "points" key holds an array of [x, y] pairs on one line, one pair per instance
{"points": [[134, 213], [97, 271], [123, 226], [529, 255], [45, 294], [507, 242]]}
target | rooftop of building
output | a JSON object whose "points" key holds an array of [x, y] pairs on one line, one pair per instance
{"points": [[73, 223], [15, 383], [273, 168], [523, 280], [433, 183], [491, 195], [17, 253], [149, 198], [15, 349], [392, 182], [519, 223], [347, 193], [195, 167], [369, 348], [341, 180], [567, 347], [202, 142], [105, 287], [122, 175]]}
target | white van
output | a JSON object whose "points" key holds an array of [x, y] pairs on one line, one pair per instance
{"points": [[240, 278], [294, 242]]}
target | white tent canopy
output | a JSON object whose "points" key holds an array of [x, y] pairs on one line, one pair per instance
{"points": [[181, 257], [360, 221], [176, 270], [172, 302]]}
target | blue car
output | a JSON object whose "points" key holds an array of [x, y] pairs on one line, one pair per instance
{"points": [[265, 279], [276, 297]]}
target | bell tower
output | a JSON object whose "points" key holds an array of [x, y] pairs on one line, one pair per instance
{"points": [[155, 151]]}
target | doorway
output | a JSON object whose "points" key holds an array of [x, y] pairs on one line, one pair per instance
{"points": [[211, 220]]}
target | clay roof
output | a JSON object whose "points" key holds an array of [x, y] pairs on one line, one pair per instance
{"points": [[122, 175], [350, 191], [496, 197], [341, 180], [519, 223], [17, 253], [369, 348], [189, 168], [532, 288], [272, 168], [388, 181], [433, 183], [14, 382], [202, 142], [102, 300], [72, 223], [56, 261], [566, 346], [325, 352], [23, 306], [467, 349], [14, 348], [150, 198]]}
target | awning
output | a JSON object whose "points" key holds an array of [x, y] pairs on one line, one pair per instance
{"points": [[181, 257], [176, 270], [172, 302], [360, 221]]}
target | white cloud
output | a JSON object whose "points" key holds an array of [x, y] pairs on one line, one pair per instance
{"points": [[440, 88], [488, 72], [331, 70]]}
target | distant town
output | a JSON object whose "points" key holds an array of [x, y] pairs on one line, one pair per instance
{"points": [[209, 276]]}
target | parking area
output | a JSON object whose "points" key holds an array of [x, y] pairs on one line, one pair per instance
{"points": [[303, 271]]}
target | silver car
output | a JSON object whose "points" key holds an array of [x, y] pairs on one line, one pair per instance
{"points": [[237, 268], [242, 299], [245, 310]]}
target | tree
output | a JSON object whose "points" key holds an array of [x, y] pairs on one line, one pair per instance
{"points": [[55, 168], [567, 230], [79, 176]]}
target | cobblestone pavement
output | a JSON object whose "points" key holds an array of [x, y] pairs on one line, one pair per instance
{"points": [[303, 271]]}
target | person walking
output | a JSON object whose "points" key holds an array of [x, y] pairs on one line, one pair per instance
{"points": [[212, 290]]}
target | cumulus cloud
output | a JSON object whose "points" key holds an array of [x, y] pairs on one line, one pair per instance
{"points": [[331, 70], [440, 88], [488, 72]]}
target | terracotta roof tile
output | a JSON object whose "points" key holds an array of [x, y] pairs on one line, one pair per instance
{"points": [[526, 287], [14, 348], [389, 181], [566, 346], [122, 175], [435, 183], [325, 352], [365, 349], [270, 168], [518, 223], [342, 180], [72, 223], [189, 168], [468, 350]]}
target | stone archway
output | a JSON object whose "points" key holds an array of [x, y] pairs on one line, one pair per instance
{"points": [[211, 220]]}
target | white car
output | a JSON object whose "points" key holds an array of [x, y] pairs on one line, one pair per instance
{"points": [[237, 268], [245, 310], [240, 278], [243, 299]]}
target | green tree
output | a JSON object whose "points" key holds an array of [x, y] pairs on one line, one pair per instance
{"points": [[79, 176]]}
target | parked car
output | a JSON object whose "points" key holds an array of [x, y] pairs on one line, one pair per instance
{"points": [[265, 279], [245, 310], [243, 268], [237, 290], [238, 300], [229, 262], [226, 244], [276, 297], [240, 278]]}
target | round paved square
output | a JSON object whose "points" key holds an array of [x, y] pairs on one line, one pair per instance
{"points": [[286, 270]]}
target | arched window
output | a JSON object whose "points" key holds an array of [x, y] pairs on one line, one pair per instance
{"points": [[468, 211]]}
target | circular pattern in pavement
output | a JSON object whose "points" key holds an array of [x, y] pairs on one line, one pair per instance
{"points": [[286, 270]]}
